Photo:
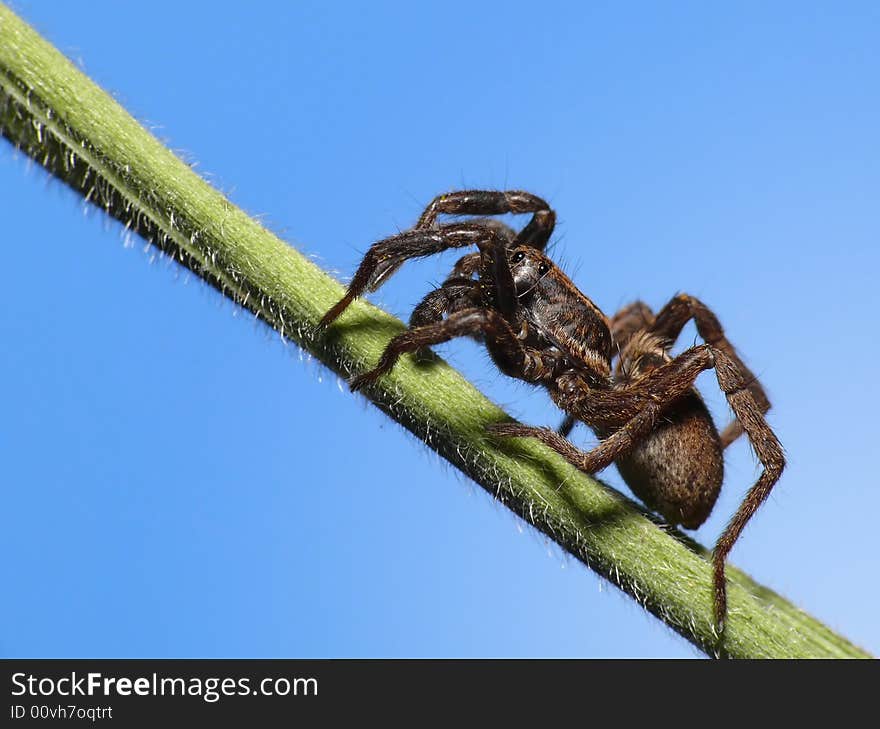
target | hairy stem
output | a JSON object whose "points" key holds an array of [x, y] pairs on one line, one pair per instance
{"points": [[57, 116]]}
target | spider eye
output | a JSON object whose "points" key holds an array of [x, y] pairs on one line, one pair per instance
{"points": [[543, 268], [517, 257]]}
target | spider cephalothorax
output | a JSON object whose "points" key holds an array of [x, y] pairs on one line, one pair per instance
{"points": [[538, 327]]}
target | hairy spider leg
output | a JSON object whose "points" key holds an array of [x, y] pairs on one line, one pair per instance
{"points": [[496, 202], [566, 426], [643, 400], [631, 410], [738, 389], [401, 247], [668, 324], [509, 353], [459, 290], [456, 294], [626, 322], [670, 321], [386, 256]]}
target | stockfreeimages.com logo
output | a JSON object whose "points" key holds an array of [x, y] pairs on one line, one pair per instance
{"points": [[210, 689]]}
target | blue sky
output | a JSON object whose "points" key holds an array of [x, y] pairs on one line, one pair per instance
{"points": [[178, 482]]}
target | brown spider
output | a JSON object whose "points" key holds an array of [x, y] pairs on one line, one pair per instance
{"points": [[538, 327]]}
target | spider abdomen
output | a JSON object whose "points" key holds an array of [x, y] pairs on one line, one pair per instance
{"points": [[677, 470]]}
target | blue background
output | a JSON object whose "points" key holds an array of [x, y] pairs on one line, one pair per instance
{"points": [[178, 482]]}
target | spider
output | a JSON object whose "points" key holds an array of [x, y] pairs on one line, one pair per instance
{"points": [[539, 328]]}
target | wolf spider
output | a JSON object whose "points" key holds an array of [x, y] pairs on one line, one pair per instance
{"points": [[539, 328]]}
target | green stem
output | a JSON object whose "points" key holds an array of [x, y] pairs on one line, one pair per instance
{"points": [[56, 115]]}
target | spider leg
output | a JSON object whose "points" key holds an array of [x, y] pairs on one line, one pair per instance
{"points": [[494, 202], [497, 225], [670, 381], [626, 322], [385, 256], [639, 403], [465, 267], [454, 295], [566, 426], [459, 290], [670, 321], [632, 318], [469, 264], [630, 412], [603, 455], [511, 356], [738, 388]]}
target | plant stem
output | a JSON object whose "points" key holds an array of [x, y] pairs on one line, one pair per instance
{"points": [[56, 115]]}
